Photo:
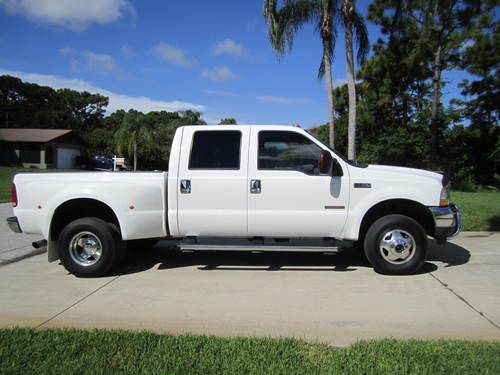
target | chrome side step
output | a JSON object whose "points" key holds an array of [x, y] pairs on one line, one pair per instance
{"points": [[256, 247]]}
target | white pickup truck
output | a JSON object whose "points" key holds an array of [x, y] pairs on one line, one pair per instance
{"points": [[242, 187]]}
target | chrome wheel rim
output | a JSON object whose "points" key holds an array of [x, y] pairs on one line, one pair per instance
{"points": [[397, 246], [85, 249]]}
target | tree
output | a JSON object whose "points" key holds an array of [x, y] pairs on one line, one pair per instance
{"points": [[384, 139], [228, 121], [148, 137], [481, 59], [284, 24], [81, 110], [353, 24], [133, 130], [445, 26], [189, 117], [438, 28], [28, 105], [100, 139]]}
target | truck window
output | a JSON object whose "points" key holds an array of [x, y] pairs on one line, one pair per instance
{"points": [[284, 150], [218, 149]]}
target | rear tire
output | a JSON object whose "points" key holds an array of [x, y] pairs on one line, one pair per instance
{"points": [[396, 244], [88, 247]]}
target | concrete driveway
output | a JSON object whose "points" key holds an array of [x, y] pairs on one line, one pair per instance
{"points": [[14, 247], [331, 298]]}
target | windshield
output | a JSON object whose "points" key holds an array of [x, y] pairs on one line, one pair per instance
{"points": [[350, 162]]}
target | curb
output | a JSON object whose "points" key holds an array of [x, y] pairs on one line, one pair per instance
{"points": [[24, 256]]}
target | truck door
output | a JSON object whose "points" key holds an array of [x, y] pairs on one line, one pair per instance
{"points": [[287, 195], [212, 181]]}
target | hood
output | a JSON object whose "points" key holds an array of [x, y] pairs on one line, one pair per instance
{"points": [[405, 171]]}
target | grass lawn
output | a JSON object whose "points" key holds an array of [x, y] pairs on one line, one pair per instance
{"points": [[480, 210], [29, 351], [6, 174]]}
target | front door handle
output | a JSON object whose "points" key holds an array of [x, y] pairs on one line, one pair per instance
{"points": [[185, 186], [255, 186]]}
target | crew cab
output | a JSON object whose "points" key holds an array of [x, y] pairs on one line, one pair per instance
{"points": [[241, 187]]}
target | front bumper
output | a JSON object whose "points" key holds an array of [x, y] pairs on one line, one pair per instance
{"points": [[447, 221], [14, 224]]}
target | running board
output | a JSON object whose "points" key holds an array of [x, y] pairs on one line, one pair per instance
{"points": [[250, 247]]}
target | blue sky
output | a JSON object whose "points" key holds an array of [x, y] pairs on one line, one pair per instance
{"points": [[209, 56]]}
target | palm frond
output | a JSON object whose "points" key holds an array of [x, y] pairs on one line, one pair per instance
{"points": [[321, 69], [329, 8], [284, 23], [331, 42], [361, 35]]}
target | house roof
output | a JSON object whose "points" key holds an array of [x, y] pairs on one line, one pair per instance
{"points": [[31, 135]]}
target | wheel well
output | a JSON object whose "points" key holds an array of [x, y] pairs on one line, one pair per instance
{"points": [[415, 210], [77, 209]]}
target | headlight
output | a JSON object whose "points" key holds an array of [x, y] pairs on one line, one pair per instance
{"points": [[444, 197]]}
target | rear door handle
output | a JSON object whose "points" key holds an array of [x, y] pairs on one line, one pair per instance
{"points": [[255, 187], [185, 186]]}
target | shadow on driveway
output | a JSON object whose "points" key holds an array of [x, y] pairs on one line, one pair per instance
{"points": [[167, 256], [450, 254]]}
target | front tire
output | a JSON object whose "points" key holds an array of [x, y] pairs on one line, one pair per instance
{"points": [[396, 244], [88, 247]]}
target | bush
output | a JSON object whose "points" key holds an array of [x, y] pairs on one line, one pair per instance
{"points": [[463, 179]]}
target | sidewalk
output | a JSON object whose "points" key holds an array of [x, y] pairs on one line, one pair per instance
{"points": [[13, 246]]}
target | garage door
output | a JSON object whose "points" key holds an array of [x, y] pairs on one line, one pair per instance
{"points": [[66, 157]]}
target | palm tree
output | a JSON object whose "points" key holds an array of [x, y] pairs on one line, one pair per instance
{"points": [[132, 130], [285, 22], [353, 23]]}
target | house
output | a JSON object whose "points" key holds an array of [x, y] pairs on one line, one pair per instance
{"points": [[40, 148]]}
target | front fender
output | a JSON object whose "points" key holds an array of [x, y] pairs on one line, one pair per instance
{"points": [[362, 202]]}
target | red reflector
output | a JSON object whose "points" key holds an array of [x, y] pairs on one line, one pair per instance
{"points": [[13, 196]]}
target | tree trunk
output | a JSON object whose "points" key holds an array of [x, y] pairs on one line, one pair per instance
{"points": [[326, 38], [135, 156], [329, 89], [436, 99], [351, 87]]}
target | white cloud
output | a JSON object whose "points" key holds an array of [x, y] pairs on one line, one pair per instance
{"points": [[218, 74], [73, 14], [172, 55], [83, 59], [282, 100], [116, 101], [229, 47]]}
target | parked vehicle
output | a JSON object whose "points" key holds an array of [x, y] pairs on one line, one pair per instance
{"points": [[102, 163], [270, 188]]}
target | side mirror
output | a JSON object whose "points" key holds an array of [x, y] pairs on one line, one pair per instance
{"points": [[336, 169], [325, 162]]}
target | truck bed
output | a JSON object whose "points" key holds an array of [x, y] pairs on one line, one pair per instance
{"points": [[137, 198]]}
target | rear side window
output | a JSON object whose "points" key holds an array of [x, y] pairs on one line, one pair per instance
{"points": [[215, 150], [284, 150]]}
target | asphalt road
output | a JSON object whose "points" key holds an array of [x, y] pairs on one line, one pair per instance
{"points": [[336, 299]]}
